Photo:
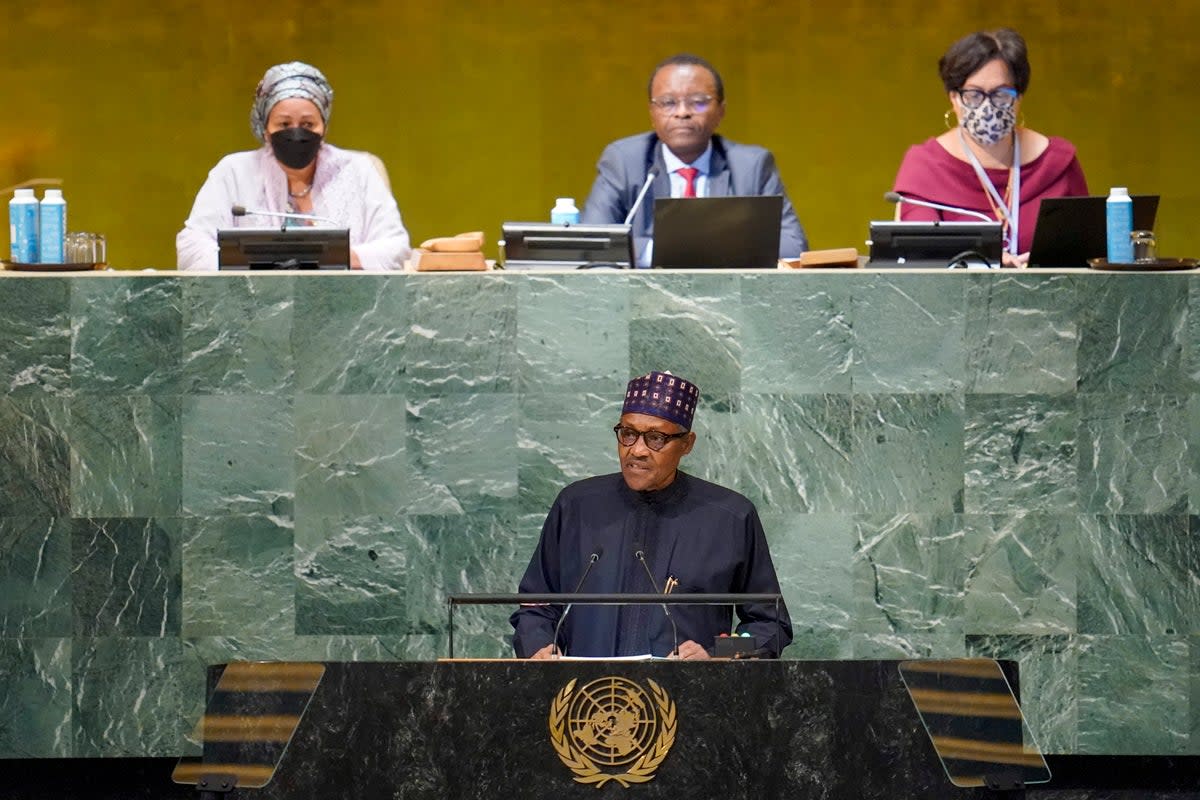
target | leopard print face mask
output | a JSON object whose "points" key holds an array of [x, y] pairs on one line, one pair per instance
{"points": [[988, 124]]}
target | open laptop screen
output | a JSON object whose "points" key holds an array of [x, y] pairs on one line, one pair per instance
{"points": [[717, 232], [1070, 230]]}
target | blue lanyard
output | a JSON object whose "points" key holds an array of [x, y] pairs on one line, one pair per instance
{"points": [[1011, 215]]}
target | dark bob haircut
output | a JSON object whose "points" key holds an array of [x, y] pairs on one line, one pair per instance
{"points": [[968, 54], [687, 59]]}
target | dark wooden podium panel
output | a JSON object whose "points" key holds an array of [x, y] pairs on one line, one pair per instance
{"points": [[828, 729]]}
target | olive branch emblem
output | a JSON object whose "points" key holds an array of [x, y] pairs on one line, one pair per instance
{"points": [[586, 770]]}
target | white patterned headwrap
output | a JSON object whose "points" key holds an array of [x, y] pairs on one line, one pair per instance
{"points": [[294, 79]]}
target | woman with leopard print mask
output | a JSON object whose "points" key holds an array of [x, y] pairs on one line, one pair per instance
{"points": [[987, 161]]}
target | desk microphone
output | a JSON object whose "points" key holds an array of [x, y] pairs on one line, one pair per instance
{"points": [[599, 551], [242, 211], [674, 631], [650, 176], [896, 197]]}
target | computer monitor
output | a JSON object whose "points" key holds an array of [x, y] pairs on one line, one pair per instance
{"points": [[544, 245], [934, 244], [289, 248]]}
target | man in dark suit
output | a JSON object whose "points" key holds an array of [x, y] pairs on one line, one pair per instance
{"points": [[687, 102], [650, 527]]}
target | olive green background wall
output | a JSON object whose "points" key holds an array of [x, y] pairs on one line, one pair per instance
{"points": [[485, 111]]}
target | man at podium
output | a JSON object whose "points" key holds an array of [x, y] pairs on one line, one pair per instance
{"points": [[650, 528]]}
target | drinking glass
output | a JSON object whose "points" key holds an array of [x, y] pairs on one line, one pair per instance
{"points": [[1145, 247]]}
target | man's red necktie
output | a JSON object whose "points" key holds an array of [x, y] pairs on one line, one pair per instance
{"points": [[689, 174]]}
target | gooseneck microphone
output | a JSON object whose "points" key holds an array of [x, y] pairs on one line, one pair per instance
{"points": [[674, 630], [641, 195], [896, 197], [242, 211], [599, 551]]}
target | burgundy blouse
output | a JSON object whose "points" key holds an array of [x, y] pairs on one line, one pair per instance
{"points": [[930, 173]]}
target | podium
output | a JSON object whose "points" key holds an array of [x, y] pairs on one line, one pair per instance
{"points": [[719, 729]]}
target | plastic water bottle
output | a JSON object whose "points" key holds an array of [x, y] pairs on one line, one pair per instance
{"points": [[1119, 214], [23, 227], [53, 227], [564, 212]]}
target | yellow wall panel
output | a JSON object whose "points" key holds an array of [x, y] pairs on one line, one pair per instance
{"points": [[486, 111]]}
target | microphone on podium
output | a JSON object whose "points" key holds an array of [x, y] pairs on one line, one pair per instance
{"points": [[599, 551], [641, 195], [896, 197], [242, 211], [640, 556]]}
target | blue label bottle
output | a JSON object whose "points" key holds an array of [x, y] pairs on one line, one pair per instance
{"points": [[564, 212], [1119, 214], [23, 227], [53, 226]]}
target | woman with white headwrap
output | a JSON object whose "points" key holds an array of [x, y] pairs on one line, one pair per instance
{"points": [[296, 171]]}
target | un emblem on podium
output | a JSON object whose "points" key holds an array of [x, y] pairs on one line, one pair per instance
{"points": [[612, 729]]}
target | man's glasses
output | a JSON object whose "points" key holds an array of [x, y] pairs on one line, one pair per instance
{"points": [[697, 102], [655, 440], [1001, 98]]}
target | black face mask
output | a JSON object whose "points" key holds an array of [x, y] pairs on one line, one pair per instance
{"points": [[295, 147]]}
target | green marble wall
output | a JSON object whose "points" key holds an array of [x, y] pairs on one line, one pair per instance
{"points": [[197, 469]]}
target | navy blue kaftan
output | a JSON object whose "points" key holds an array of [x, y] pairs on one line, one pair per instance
{"points": [[707, 537]]}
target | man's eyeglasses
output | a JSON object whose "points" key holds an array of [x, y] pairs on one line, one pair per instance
{"points": [[1001, 98], [655, 440], [697, 102]]}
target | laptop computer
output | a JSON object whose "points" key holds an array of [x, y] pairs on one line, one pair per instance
{"points": [[1070, 230], [717, 232]]}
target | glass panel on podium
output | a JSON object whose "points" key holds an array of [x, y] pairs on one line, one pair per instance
{"points": [[975, 723], [249, 722]]}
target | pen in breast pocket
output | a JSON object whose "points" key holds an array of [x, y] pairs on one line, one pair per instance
{"points": [[671, 584]]}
